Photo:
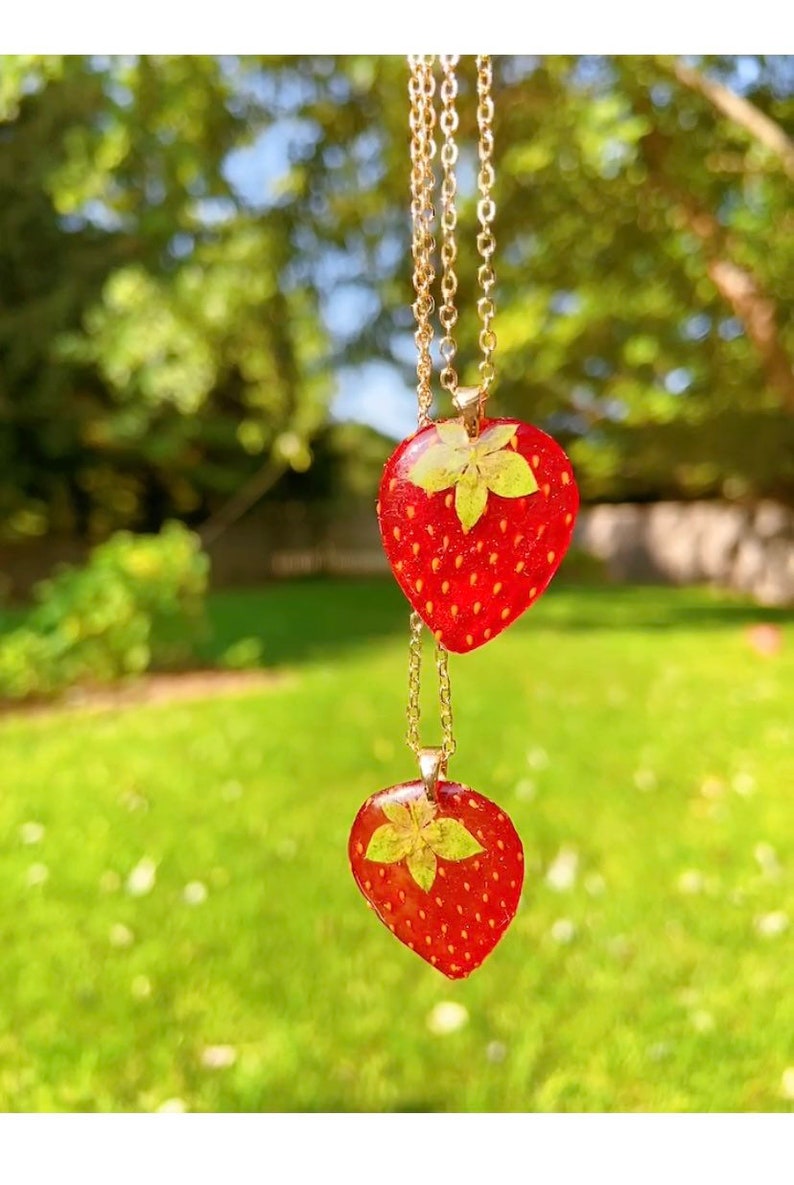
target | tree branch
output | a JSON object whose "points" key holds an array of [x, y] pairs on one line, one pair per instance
{"points": [[739, 288], [758, 313], [247, 496], [740, 111]]}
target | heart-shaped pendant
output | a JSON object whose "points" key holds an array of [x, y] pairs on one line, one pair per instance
{"points": [[475, 529], [444, 873]]}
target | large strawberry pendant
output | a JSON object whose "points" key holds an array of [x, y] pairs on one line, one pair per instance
{"points": [[475, 529], [444, 873]]}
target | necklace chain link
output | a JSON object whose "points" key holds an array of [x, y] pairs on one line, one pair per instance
{"points": [[422, 122], [486, 210], [413, 712], [423, 150], [448, 313]]}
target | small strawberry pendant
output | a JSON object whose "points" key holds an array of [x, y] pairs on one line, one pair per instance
{"points": [[475, 529], [442, 871]]}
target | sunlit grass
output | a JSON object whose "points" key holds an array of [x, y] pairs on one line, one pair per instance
{"points": [[180, 928]]}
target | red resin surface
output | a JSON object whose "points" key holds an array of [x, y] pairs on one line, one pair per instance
{"points": [[469, 586], [458, 921]]}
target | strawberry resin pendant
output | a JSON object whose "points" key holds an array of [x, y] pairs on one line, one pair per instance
{"points": [[443, 871], [475, 528]]}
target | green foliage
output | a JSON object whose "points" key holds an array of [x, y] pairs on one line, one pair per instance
{"points": [[136, 605], [347, 461], [154, 350], [164, 333], [644, 249], [242, 655], [633, 735]]}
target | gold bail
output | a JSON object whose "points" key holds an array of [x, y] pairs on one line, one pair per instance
{"points": [[469, 403], [431, 765]]}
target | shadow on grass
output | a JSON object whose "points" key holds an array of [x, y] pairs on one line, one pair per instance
{"points": [[652, 607], [307, 619], [303, 620]]}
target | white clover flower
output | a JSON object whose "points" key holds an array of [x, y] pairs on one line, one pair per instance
{"points": [[194, 893], [563, 870], [537, 758], [691, 882], [141, 987], [31, 833], [109, 882], [142, 878], [120, 935], [702, 1021], [218, 1057], [563, 931], [594, 884], [770, 925], [447, 1017]]}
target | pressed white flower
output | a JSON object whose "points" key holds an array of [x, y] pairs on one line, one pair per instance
{"points": [[37, 874], [173, 1107], [787, 1084], [142, 878], [447, 1017]]}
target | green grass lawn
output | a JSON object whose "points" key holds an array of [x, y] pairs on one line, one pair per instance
{"points": [[644, 750]]}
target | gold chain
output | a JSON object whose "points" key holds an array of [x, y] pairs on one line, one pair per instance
{"points": [[422, 122], [486, 210], [414, 686], [421, 89], [448, 314]]}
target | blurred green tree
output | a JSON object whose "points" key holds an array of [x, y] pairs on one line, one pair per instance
{"points": [[645, 254], [155, 353], [164, 334]]}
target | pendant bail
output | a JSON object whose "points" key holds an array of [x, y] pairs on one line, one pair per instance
{"points": [[431, 765], [469, 402]]}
